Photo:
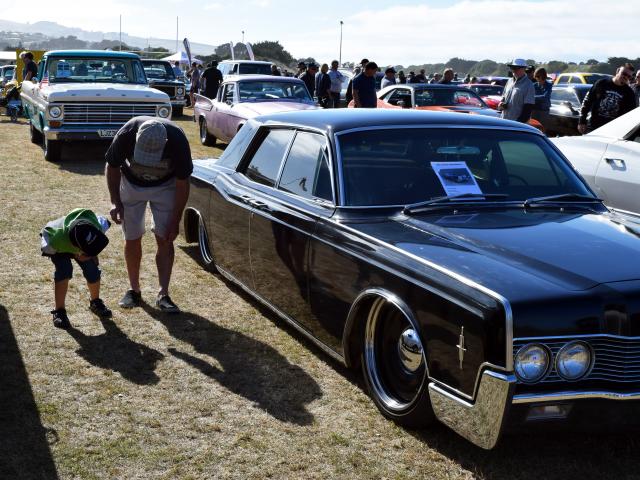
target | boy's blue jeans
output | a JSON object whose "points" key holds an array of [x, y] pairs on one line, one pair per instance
{"points": [[64, 268]]}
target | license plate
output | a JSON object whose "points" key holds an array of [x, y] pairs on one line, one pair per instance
{"points": [[110, 133]]}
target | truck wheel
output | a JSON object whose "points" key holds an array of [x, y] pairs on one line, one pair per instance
{"points": [[177, 112], [34, 135], [52, 150], [205, 137]]}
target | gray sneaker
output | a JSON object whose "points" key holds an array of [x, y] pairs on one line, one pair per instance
{"points": [[165, 304], [131, 299]]}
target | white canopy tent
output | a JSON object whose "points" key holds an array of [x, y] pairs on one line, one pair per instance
{"points": [[182, 58], [8, 56]]}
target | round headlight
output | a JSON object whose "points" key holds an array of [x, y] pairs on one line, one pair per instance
{"points": [[532, 363], [164, 112], [574, 360], [55, 112], [180, 91]]}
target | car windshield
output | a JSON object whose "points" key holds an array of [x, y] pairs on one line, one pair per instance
{"points": [[86, 69], [485, 90], [446, 97], [255, 69], [158, 71], [273, 90], [8, 73], [594, 77], [410, 165]]}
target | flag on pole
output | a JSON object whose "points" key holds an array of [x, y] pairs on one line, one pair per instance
{"points": [[233, 57], [249, 51], [187, 49]]}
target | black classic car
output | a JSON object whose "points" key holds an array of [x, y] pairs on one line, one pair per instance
{"points": [[566, 102], [505, 301], [161, 77]]}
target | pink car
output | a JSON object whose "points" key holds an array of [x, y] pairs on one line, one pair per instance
{"points": [[243, 97]]}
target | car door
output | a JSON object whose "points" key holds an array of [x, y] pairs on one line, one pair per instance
{"points": [[234, 198], [283, 222], [224, 112], [618, 174]]}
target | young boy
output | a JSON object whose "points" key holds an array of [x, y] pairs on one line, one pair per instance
{"points": [[79, 235]]}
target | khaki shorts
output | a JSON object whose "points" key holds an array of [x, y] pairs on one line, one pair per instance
{"points": [[134, 199]]}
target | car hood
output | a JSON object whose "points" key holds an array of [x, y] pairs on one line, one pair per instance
{"points": [[253, 109], [519, 248], [101, 92]]}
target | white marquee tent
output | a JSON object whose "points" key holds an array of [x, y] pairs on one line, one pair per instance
{"points": [[182, 58]]}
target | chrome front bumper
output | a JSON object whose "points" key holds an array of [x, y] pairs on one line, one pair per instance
{"points": [[74, 134]]}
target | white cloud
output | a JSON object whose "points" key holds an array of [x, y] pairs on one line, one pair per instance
{"points": [[213, 6]]}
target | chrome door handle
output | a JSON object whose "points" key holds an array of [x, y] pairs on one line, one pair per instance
{"points": [[260, 205], [615, 161]]}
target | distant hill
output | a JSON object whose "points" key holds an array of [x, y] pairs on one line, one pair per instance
{"points": [[52, 29]]}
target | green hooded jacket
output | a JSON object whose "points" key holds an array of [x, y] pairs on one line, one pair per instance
{"points": [[55, 234]]}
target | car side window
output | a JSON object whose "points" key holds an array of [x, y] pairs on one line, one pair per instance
{"points": [[228, 93], [562, 95], [306, 170], [265, 164]]}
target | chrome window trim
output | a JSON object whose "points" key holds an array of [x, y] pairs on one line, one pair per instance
{"points": [[524, 398]]}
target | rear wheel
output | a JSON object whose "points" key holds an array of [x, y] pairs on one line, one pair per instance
{"points": [[203, 244], [394, 366], [34, 135], [205, 137], [52, 150]]}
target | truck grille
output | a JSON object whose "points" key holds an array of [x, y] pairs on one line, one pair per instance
{"points": [[617, 359], [106, 113], [171, 91]]}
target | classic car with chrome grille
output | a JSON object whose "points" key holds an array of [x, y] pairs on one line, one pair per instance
{"points": [[162, 77], [83, 95], [506, 298]]}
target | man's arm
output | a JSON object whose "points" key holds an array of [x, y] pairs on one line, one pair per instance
{"points": [[589, 98], [181, 197], [113, 184], [525, 115]]}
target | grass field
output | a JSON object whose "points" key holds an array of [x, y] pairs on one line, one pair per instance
{"points": [[223, 391]]}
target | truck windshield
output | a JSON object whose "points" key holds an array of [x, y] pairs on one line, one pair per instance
{"points": [[103, 70]]}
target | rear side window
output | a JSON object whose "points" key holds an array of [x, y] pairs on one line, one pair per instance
{"points": [[265, 163], [306, 171]]}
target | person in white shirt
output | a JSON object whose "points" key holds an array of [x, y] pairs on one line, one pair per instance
{"points": [[337, 78], [389, 77]]}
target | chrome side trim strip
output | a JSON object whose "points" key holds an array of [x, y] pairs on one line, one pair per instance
{"points": [[571, 395], [335, 355], [481, 422]]}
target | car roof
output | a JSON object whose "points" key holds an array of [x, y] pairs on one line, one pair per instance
{"points": [[262, 78], [578, 86], [336, 120], [91, 53], [155, 60], [245, 61]]}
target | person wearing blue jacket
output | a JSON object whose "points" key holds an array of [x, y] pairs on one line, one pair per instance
{"points": [[542, 96]]}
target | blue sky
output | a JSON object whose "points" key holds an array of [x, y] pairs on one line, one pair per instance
{"points": [[398, 32]]}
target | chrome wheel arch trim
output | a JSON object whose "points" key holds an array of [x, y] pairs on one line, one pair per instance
{"points": [[480, 422]]}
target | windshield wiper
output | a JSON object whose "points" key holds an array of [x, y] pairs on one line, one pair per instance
{"points": [[452, 200], [561, 198]]}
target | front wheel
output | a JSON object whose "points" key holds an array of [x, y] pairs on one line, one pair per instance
{"points": [[205, 137], [203, 244], [394, 366], [52, 150]]}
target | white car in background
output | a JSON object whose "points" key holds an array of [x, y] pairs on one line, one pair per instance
{"points": [[608, 158]]}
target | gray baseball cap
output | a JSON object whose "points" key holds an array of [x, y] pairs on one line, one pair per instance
{"points": [[150, 142]]}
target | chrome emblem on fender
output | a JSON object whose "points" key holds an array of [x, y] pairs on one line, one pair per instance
{"points": [[461, 348]]}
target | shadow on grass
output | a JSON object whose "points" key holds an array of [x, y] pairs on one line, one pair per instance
{"points": [[114, 350], [248, 367], [84, 158], [24, 449]]}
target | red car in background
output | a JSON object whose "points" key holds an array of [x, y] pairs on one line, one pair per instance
{"points": [[491, 94]]}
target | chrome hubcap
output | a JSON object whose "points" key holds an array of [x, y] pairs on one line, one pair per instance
{"points": [[410, 350]]}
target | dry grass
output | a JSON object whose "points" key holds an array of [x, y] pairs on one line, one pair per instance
{"points": [[223, 391]]}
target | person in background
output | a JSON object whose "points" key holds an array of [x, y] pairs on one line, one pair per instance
{"points": [[357, 71], [411, 78], [274, 70], [177, 71], [518, 97], [194, 75], [309, 78], [337, 78], [80, 235], [401, 77], [447, 76], [421, 77], [389, 77], [467, 79], [636, 87], [530, 71], [211, 80], [474, 80], [607, 99], [302, 67], [30, 69], [436, 78], [364, 87], [542, 96], [323, 87]]}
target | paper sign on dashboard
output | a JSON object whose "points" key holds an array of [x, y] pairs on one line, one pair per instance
{"points": [[456, 178]]}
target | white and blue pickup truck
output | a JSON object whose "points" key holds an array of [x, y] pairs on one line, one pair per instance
{"points": [[86, 95]]}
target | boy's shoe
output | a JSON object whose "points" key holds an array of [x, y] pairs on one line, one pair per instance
{"points": [[165, 304], [60, 319], [98, 307], [131, 299]]}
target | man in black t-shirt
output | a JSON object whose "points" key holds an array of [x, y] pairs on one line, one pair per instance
{"points": [[149, 161], [364, 87], [30, 70], [212, 78], [607, 99], [309, 78]]}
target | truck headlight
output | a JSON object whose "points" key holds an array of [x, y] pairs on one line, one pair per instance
{"points": [[164, 112], [55, 111], [574, 360], [532, 363], [179, 91]]}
